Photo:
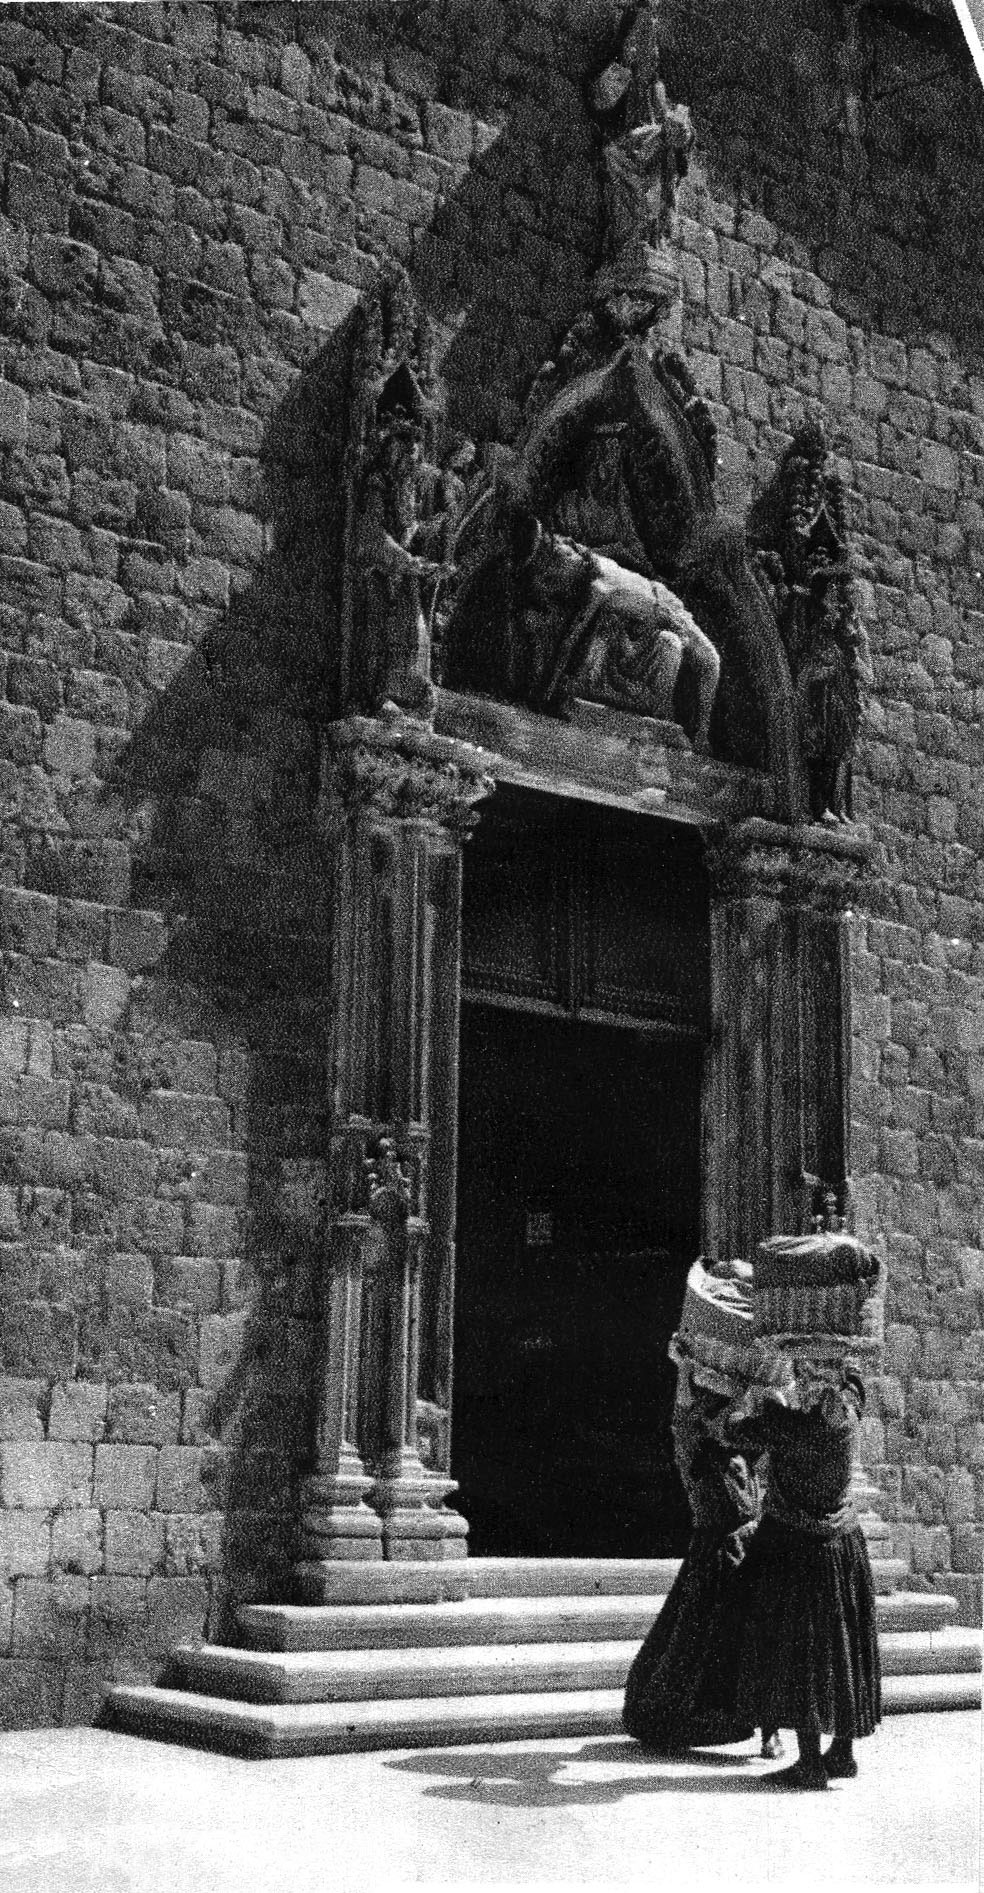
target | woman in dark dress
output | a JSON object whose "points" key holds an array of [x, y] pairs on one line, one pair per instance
{"points": [[809, 1650], [682, 1689]]}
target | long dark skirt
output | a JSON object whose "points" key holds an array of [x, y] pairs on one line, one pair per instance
{"points": [[682, 1688], [809, 1654]]}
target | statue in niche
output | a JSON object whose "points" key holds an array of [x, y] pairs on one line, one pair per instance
{"points": [[548, 619], [798, 532], [400, 579], [618, 432], [647, 144], [564, 590], [407, 527], [607, 633], [408, 485]]}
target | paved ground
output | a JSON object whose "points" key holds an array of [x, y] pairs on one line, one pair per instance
{"points": [[82, 1811]]}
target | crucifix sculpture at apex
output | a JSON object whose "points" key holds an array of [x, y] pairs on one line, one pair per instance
{"points": [[646, 148]]}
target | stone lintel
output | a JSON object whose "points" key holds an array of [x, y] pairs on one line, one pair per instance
{"points": [[605, 756]]}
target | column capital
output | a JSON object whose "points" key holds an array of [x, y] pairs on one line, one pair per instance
{"points": [[804, 865], [397, 767]]}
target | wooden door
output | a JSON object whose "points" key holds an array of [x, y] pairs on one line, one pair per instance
{"points": [[585, 967]]}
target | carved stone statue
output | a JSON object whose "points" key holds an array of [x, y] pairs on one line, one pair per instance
{"points": [[646, 152], [400, 578], [588, 558], [565, 587], [408, 484], [609, 634], [798, 531]]}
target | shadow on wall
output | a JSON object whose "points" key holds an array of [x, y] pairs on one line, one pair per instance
{"points": [[224, 772], [220, 786], [859, 131]]}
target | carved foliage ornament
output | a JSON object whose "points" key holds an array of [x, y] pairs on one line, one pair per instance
{"points": [[400, 769], [805, 867]]}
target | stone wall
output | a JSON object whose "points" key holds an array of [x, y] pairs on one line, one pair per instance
{"points": [[193, 199], [851, 285]]}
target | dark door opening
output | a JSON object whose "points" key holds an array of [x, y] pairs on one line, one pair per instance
{"points": [[578, 1218], [585, 1015]]}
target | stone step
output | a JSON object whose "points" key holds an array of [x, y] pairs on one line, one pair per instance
{"points": [[952, 1650], [377, 1675], [280, 1729], [946, 1689], [889, 1574], [355, 1581], [283, 1729], [360, 1581], [263, 1676], [915, 1610], [472, 1620], [506, 1620]]}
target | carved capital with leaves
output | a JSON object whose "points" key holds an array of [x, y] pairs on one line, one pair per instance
{"points": [[809, 866], [400, 769]]}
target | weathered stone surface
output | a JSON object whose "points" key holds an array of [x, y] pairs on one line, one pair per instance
{"points": [[25, 1544], [143, 1414], [40, 1477], [125, 1476], [76, 1542], [134, 1542], [31, 1693], [51, 1618], [77, 1410], [20, 1402], [180, 271]]}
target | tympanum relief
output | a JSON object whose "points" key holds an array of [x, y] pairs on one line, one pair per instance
{"points": [[588, 558]]}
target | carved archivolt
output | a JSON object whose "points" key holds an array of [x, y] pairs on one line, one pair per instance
{"points": [[589, 559]]}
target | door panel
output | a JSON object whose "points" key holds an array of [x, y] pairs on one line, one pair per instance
{"points": [[580, 910], [586, 948], [578, 1213]]}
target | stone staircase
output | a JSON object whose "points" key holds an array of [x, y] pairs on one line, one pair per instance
{"points": [[477, 1650]]}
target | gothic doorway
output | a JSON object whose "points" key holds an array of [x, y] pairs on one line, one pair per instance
{"points": [[584, 1022]]}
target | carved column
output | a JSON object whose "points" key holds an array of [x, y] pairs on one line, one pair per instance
{"points": [[777, 1124], [398, 802]]}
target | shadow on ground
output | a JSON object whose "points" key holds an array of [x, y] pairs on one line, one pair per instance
{"points": [[535, 1778]]}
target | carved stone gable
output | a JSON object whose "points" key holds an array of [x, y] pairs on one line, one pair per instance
{"points": [[588, 560]]}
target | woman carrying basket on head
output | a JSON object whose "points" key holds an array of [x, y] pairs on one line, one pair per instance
{"points": [[682, 1689], [809, 1658]]}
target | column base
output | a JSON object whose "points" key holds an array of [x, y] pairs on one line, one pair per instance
{"points": [[336, 1522], [424, 1535], [415, 1521]]}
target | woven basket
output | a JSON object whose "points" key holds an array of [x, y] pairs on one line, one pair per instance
{"points": [[822, 1285], [716, 1333]]}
